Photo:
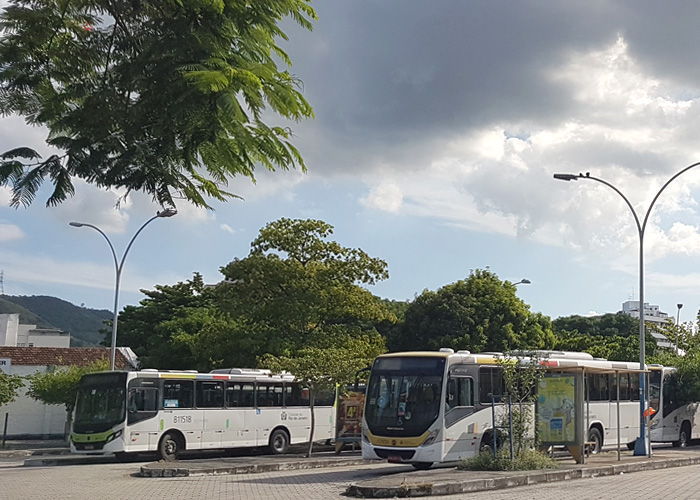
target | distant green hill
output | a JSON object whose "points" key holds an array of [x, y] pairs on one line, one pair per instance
{"points": [[49, 312]]}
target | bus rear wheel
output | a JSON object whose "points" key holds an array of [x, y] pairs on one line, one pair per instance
{"points": [[422, 465], [170, 447], [279, 442]]}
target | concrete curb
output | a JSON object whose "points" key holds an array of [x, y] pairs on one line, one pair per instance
{"points": [[421, 489], [184, 469]]}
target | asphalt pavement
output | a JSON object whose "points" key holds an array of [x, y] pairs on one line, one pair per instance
{"points": [[405, 482]]}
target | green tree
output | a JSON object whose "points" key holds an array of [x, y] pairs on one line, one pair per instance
{"points": [[522, 372], [161, 96], [480, 313], [326, 367], [161, 329], [606, 325], [295, 288], [9, 385], [610, 336], [60, 387]]}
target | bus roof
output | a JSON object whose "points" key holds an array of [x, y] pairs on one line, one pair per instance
{"points": [[552, 360]]}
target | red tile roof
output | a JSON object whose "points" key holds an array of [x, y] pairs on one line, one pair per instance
{"points": [[61, 356]]}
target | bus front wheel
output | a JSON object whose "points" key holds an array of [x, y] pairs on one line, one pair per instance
{"points": [[683, 437], [169, 447], [596, 440], [279, 442]]}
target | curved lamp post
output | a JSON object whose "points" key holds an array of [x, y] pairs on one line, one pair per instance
{"points": [[118, 266], [640, 447]]}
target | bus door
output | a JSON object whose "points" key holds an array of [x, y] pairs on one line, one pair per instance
{"points": [[142, 411], [239, 424], [210, 399], [461, 433]]}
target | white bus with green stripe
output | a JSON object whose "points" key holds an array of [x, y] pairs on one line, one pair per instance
{"points": [[169, 412]]}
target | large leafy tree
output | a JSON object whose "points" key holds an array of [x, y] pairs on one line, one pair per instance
{"points": [[160, 330], [609, 336], [161, 96], [606, 325], [296, 288], [479, 313]]}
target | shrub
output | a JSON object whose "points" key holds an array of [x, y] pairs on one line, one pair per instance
{"points": [[525, 459]]}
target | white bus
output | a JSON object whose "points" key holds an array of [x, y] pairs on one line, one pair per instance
{"points": [[675, 421], [428, 407], [170, 412]]}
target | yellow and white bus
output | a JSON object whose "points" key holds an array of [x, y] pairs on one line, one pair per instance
{"points": [[428, 407], [169, 412]]}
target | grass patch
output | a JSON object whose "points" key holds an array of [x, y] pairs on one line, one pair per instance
{"points": [[524, 460]]}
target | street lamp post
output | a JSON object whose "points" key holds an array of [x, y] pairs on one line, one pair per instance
{"points": [[678, 324], [640, 447], [118, 266], [522, 282]]}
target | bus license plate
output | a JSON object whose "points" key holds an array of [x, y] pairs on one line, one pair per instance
{"points": [[394, 459], [89, 447]]}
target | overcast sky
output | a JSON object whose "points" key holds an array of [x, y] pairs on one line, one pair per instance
{"points": [[438, 127]]}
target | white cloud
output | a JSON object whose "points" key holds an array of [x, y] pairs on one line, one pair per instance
{"points": [[9, 232], [386, 196], [627, 129], [226, 228]]}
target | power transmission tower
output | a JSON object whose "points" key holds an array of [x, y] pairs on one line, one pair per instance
{"points": [[2, 283]]}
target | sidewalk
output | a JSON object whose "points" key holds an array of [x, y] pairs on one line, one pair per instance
{"points": [[28, 448], [446, 481], [405, 482]]}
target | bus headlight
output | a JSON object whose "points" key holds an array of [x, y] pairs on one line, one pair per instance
{"points": [[114, 436], [654, 423], [431, 437], [365, 437]]}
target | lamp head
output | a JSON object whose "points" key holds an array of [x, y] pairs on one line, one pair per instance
{"points": [[567, 177], [76, 224], [168, 212]]}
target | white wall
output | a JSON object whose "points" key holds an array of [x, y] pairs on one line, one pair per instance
{"points": [[30, 419]]}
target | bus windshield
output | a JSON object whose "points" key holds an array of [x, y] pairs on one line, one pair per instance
{"points": [[101, 402], [404, 395]]}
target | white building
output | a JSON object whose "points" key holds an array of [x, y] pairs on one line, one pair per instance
{"points": [[651, 315], [14, 334]]}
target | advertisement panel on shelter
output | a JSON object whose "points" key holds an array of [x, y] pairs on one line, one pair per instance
{"points": [[556, 409]]}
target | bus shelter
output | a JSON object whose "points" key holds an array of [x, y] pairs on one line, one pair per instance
{"points": [[563, 409]]}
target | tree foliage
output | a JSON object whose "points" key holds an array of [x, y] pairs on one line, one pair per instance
{"points": [[605, 325], [326, 367], [9, 385], [479, 313], [294, 290], [60, 387], [159, 330], [160, 96]]}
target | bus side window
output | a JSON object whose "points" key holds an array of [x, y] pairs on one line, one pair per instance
{"points": [[178, 394], [460, 392]]}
